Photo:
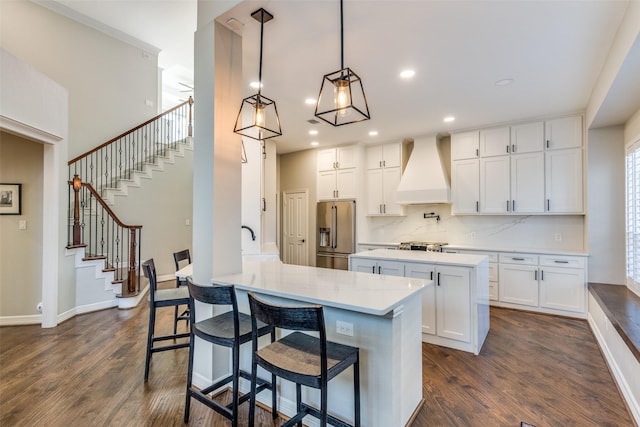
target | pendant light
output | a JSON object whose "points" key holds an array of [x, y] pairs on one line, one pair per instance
{"points": [[258, 115], [341, 100]]}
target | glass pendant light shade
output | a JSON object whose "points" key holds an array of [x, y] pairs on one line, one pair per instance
{"points": [[342, 99], [258, 115]]}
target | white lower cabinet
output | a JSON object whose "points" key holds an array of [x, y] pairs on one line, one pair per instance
{"points": [[563, 284], [377, 266], [519, 284], [446, 307]]}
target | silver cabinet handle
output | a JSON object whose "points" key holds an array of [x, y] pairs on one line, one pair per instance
{"points": [[477, 153], [548, 143], [438, 278], [541, 274], [548, 205], [380, 163], [561, 262], [373, 269], [507, 206], [477, 206], [535, 275], [517, 259], [513, 148], [379, 269], [507, 149], [513, 206], [431, 275]]}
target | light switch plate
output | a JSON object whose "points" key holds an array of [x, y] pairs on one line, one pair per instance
{"points": [[22, 224]]}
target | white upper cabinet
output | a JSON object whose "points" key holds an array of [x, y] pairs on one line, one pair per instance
{"points": [[465, 186], [563, 133], [384, 156], [495, 193], [527, 183], [527, 138], [465, 145], [337, 173], [337, 158], [563, 181], [495, 142]]}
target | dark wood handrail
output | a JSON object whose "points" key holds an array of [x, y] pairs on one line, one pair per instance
{"points": [[82, 156], [106, 207]]}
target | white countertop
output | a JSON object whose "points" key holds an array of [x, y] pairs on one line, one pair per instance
{"points": [[359, 292], [454, 246], [464, 260]]}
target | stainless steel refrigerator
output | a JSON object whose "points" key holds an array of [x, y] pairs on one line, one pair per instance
{"points": [[336, 237]]}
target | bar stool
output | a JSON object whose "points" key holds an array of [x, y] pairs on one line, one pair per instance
{"points": [[161, 298], [230, 329], [301, 358], [178, 258]]}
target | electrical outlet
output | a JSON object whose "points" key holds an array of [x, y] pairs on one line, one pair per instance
{"points": [[22, 224], [558, 237], [344, 328]]}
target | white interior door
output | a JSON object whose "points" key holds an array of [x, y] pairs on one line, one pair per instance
{"points": [[295, 228]]}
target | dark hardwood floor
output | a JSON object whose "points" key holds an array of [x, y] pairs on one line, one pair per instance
{"points": [[547, 371]]}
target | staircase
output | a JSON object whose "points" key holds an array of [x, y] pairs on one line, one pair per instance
{"points": [[107, 171]]}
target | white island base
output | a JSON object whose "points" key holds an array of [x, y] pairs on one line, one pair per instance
{"points": [[385, 314]]}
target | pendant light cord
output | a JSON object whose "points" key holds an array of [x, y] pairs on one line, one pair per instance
{"points": [[341, 38], [261, 43]]}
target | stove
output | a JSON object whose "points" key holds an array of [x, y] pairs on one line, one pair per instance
{"points": [[422, 246]]}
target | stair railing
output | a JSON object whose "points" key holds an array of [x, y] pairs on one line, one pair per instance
{"points": [[93, 224], [104, 236]]}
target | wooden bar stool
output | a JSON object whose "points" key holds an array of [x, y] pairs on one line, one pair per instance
{"points": [[172, 297], [230, 329], [302, 358], [179, 259]]}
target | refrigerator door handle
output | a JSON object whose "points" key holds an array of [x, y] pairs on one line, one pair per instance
{"points": [[335, 226]]}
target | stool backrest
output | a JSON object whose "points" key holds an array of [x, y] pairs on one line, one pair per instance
{"points": [[149, 269], [215, 294], [181, 256]]}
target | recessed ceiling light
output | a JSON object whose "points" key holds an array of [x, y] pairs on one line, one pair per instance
{"points": [[407, 74], [373, 133], [504, 82], [310, 101], [255, 85], [448, 119], [313, 132], [314, 143]]}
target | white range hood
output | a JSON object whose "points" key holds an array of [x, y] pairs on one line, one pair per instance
{"points": [[424, 180]]}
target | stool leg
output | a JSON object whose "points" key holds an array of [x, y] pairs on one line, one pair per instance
{"points": [[236, 384], [187, 403], [323, 404], [175, 320], [356, 390], [274, 404], [150, 332], [299, 400], [252, 399]]}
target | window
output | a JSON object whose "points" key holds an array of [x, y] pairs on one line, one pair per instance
{"points": [[633, 216]]}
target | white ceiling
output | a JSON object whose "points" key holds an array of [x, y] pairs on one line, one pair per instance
{"points": [[554, 51]]}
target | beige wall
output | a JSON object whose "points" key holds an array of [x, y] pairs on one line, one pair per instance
{"points": [[108, 80], [298, 172], [21, 162]]}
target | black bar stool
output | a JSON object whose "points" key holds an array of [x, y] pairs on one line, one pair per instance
{"points": [[171, 297], [302, 358], [230, 329], [179, 259]]}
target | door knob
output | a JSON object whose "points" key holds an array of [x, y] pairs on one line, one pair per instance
{"points": [[302, 241]]}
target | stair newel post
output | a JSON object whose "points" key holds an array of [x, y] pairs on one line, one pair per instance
{"points": [[77, 184], [190, 116], [131, 274]]}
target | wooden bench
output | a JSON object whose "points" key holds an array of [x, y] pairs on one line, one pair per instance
{"points": [[614, 318]]}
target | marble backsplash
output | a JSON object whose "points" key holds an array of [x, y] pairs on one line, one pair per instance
{"points": [[553, 232]]}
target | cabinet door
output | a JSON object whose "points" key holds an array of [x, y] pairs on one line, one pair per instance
{"points": [[563, 181], [374, 192], [374, 157], [563, 133], [390, 268], [465, 145], [495, 142], [453, 301], [346, 183], [363, 265], [425, 271], [527, 138], [390, 182], [326, 159], [391, 155], [495, 195], [518, 284], [346, 157], [563, 289], [465, 186], [327, 185], [527, 183]]}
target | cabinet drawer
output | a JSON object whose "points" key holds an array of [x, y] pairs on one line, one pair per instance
{"points": [[493, 256], [562, 261], [515, 258]]}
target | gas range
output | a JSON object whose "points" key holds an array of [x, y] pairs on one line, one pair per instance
{"points": [[422, 246]]}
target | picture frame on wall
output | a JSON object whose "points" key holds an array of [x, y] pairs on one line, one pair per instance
{"points": [[10, 199]]}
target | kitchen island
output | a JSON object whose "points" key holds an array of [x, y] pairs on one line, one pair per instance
{"points": [[379, 314], [455, 311]]}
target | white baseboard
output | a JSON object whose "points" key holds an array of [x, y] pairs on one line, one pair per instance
{"points": [[32, 319]]}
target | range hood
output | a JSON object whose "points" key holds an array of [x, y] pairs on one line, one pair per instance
{"points": [[424, 180]]}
